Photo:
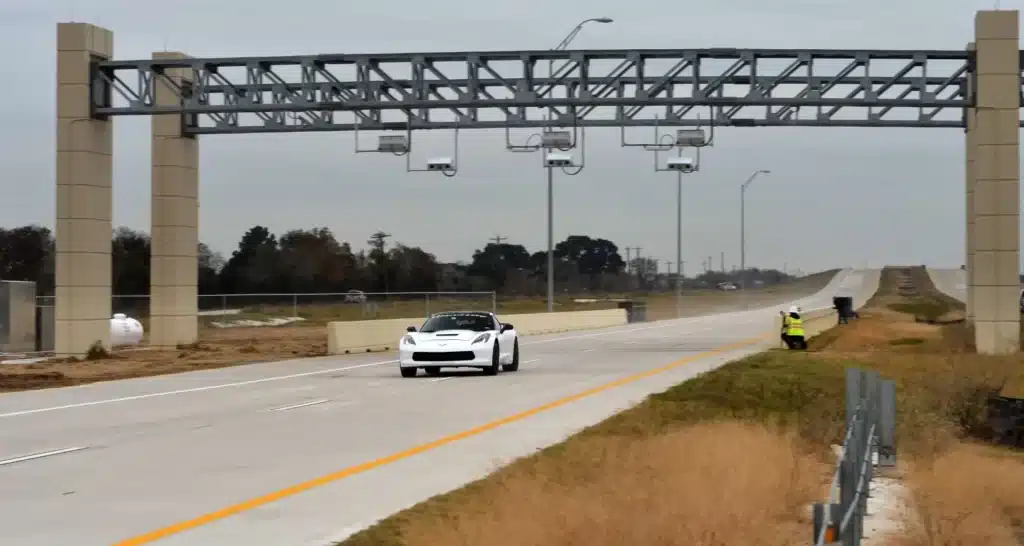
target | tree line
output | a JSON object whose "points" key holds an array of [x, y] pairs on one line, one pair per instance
{"points": [[314, 260]]}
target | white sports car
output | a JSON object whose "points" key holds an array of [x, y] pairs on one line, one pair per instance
{"points": [[465, 339]]}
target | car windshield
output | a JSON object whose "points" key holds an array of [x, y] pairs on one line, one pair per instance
{"points": [[467, 321]]}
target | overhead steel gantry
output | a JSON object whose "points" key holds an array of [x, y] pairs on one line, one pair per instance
{"points": [[589, 88], [977, 89]]}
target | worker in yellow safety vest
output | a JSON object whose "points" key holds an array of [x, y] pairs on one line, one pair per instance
{"points": [[793, 329]]}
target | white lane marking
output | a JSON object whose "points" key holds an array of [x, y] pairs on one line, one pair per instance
{"points": [[274, 378], [589, 350], [41, 455], [667, 324], [195, 389], [531, 361], [440, 379], [302, 405]]}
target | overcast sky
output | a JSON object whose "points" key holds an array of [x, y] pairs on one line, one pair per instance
{"points": [[837, 197]]}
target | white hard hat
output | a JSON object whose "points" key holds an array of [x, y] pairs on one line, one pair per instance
{"points": [[794, 309]]}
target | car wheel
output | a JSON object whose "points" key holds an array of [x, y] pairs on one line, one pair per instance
{"points": [[495, 366], [514, 365], [433, 370], [408, 372]]}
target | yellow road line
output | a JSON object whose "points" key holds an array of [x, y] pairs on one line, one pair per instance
{"points": [[360, 468]]}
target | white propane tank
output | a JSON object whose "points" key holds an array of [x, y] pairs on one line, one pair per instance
{"points": [[125, 330]]}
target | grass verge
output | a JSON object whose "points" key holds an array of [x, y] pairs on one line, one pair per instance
{"points": [[736, 454]]}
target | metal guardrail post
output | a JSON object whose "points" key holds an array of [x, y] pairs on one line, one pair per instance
{"points": [[824, 515], [887, 424], [870, 404], [852, 399]]}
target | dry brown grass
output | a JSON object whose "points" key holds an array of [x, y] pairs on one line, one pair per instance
{"points": [[230, 348], [659, 473], [968, 495], [702, 485]]}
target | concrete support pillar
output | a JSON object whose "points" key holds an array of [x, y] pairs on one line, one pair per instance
{"points": [[175, 216], [84, 199], [970, 153], [996, 237]]}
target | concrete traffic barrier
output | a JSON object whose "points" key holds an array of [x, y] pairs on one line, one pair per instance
{"points": [[531, 324], [364, 336]]}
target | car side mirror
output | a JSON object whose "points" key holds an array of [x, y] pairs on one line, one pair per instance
{"points": [[410, 329], [506, 327]]}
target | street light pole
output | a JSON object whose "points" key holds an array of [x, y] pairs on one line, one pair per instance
{"points": [[551, 174], [679, 244], [743, 233], [551, 239]]}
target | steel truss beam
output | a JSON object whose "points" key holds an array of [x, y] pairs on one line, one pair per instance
{"points": [[595, 88]]}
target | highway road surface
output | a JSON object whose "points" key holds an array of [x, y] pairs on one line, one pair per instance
{"points": [[951, 282], [306, 452]]}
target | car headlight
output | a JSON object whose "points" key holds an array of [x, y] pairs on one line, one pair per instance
{"points": [[408, 340], [481, 338]]}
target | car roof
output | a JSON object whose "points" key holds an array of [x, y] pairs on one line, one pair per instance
{"points": [[446, 313]]}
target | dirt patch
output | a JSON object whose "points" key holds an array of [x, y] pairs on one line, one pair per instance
{"points": [[878, 329], [222, 348]]}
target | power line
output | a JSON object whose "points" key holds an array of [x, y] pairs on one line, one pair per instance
{"points": [[498, 239]]}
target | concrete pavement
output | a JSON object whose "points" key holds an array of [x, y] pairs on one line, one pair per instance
{"points": [[308, 451], [951, 282]]}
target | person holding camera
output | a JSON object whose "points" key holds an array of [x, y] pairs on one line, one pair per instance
{"points": [[793, 329]]}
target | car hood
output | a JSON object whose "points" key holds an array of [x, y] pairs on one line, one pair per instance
{"points": [[442, 336]]}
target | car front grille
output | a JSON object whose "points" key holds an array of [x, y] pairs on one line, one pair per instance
{"points": [[451, 356]]}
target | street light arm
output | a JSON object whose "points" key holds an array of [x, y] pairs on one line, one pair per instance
{"points": [[752, 177], [569, 37], [572, 35]]}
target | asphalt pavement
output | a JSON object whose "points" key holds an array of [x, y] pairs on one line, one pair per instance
{"points": [[306, 452]]}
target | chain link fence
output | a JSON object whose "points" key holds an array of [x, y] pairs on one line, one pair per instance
{"points": [[869, 442], [227, 310]]}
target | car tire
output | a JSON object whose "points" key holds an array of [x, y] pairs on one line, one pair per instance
{"points": [[514, 365], [408, 372], [433, 370], [495, 366]]}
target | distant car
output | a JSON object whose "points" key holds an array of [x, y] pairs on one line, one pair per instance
{"points": [[727, 286], [459, 339], [355, 296]]}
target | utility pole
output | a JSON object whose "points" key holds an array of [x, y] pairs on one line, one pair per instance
{"points": [[721, 263], [641, 266], [628, 264], [498, 239]]}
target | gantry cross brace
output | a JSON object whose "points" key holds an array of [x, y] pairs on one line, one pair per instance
{"points": [[735, 87]]}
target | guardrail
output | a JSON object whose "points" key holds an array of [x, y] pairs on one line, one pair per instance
{"points": [[869, 441]]}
